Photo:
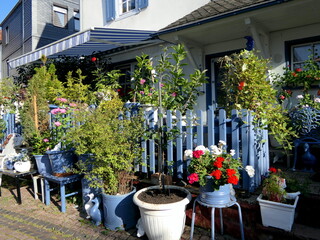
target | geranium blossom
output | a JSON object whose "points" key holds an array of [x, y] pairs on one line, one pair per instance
{"points": [[222, 167], [233, 180], [142, 81], [63, 100], [46, 140], [216, 174], [193, 178]]}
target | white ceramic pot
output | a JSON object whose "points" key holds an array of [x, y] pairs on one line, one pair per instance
{"points": [[275, 214], [22, 166], [163, 221]]}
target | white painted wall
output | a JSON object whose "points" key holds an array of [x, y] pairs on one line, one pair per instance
{"points": [[157, 15]]}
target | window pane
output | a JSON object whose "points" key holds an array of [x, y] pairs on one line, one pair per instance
{"points": [[301, 53], [59, 16], [132, 4], [317, 50], [76, 21]]}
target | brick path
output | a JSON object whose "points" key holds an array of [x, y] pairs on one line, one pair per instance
{"points": [[34, 220]]}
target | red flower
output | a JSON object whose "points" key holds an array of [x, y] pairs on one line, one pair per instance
{"points": [[273, 170], [233, 180], [193, 177], [220, 159], [217, 164], [298, 69], [241, 85], [230, 172], [216, 174], [197, 153], [93, 59], [294, 74], [318, 93], [282, 97], [289, 92]]}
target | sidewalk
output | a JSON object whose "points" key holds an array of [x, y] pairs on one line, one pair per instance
{"points": [[34, 220]]}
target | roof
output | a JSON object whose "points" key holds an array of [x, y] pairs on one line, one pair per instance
{"points": [[217, 9], [86, 43]]}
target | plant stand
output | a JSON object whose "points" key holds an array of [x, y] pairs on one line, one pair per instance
{"points": [[229, 204], [275, 214]]}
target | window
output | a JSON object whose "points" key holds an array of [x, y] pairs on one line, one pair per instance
{"points": [[60, 17], [301, 53], [127, 6], [7, 35], [76, 18], [123, 8]]}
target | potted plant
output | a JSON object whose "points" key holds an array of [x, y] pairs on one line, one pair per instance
{"points": [[113, 143], [216, 171], [246, 85], [277, 207]]}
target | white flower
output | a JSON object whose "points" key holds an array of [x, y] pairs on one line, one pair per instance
{"points": [[200, 147], [317, 100], [250, 170], [300, 97], [232, 152], [153, 72], [222, 143], [187, 154], [215, 150]]}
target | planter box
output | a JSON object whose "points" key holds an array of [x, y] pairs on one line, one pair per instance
{"points": [[276, 214]]}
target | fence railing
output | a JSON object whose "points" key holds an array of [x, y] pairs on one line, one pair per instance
{"points": [[199, 128], [207, 128]]}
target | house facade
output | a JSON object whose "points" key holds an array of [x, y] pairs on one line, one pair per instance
{"points": [[285, 31], [32, 24]]}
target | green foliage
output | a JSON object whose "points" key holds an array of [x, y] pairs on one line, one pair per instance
{"points": [[9, 95], [163, 83], [113, 143], [272, 189], [246, 86]]}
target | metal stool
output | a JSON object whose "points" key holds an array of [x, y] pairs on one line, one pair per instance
{"points": [[231, 203]]}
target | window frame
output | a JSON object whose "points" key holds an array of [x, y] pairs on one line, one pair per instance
{"points": [[289, 45], [7, 35], [56, 20], [299, 64], [76, 19]]}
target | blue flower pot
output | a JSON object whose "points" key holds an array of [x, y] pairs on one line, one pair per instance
{"points": [[62, 162], [43, 164], [120, 213], [219, 197]]}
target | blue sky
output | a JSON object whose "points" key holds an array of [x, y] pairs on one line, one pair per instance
{"points": [[5, 7]]}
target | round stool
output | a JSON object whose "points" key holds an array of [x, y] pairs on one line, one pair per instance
{"points": [[232, 202]]}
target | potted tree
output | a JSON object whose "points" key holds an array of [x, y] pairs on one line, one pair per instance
{"points": [[113, 143], [277, 207]]}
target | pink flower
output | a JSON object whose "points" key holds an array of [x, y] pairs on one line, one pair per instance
{"points": [[63, 110], [55, 111], [197, 153], [149, 94], [282, 97], [193, 177], [46, 140], [174, 94], [57, 124], [142, 92], [142, 81], [72, 104], [62, 100], [161, 85]]}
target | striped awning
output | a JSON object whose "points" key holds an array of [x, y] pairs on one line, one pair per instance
{"points": [[85, 43]]}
